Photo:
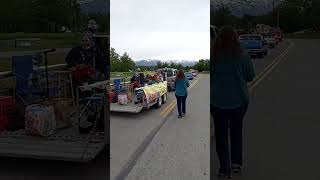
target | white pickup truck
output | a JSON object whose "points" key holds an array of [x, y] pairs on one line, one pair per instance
{"points": [[170, 76]]}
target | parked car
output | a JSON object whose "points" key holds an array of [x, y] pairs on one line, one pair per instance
{"points": [[255, 44], [271, 40], [194, 74], [188, 75]]}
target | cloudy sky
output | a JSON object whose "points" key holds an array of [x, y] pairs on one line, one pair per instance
{"points": [[161, 29]]}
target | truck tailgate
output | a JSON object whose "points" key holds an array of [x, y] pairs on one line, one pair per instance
{"points": [[79, 148], [251, 44]]}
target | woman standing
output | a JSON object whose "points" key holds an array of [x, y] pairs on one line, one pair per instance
{"points": [[231, 70], [181, 85]]}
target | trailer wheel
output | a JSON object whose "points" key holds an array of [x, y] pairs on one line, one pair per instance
{"points": [[159, 102], [164, 98]]}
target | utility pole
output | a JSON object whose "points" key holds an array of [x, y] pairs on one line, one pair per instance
{"points": [[273, 14], [278, 16]]}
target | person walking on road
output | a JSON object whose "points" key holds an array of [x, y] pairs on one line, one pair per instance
{"points": [[231, 70], [181, 86]]}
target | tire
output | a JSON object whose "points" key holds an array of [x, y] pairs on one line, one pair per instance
{"points": [[164, 98], [266, 53], [159, 102]]}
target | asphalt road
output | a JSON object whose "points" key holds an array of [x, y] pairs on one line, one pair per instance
{"points": [[129, 134], [281, 128], [180, 150]]}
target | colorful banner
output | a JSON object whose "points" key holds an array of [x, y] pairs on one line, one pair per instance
{"points": [[151, 92]]}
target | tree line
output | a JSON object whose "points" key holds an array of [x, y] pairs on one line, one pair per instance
{"points": [[46, 16], [294, 15], [124, 63]]}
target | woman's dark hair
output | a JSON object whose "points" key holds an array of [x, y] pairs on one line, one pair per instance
{"points": [[180, 75], [227, 42]]}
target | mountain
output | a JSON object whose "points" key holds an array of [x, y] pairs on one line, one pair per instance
{"points": [[153, 62], [147, 62], [241, 7], [95, 6]]}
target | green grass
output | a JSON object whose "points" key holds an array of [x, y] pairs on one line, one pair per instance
{"points": [[128, 75], [6, 36], [47, 40], [303, 36]]}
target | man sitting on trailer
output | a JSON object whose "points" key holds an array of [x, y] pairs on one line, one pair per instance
{"points": [[135, 81], [87, 55], [85, 61]]}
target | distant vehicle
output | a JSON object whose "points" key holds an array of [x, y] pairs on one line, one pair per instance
{"points": [[263, 29], [276, 31], [194, 72], [171, 76], [188, 75], [255, 44], [270, 39]]}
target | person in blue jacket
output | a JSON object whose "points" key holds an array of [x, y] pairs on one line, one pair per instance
{"points": [[181, 86], [231, 70]]}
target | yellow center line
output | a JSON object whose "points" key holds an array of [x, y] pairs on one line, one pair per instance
{"points": [[172, 105], [268, 69]]}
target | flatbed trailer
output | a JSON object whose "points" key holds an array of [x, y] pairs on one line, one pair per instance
{"points": [[133, 107], [65, 146]]}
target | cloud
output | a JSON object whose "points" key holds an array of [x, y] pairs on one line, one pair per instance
{"points": [[161, 29]]}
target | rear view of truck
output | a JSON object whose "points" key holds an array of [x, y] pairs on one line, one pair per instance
{"points": [[254, 44], [170, 76]]}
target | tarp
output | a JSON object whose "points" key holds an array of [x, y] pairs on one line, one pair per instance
{"points": [[151, 92]]}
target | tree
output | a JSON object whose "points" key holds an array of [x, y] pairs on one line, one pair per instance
{"points": [[223, 16], [115, 60], [202, 65], [126, 63]]}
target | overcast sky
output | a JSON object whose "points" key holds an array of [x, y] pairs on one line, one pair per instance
{"points": [[161, 29]]}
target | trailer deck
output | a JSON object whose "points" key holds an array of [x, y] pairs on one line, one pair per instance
{"points": [[65, 145], [127, 108]]}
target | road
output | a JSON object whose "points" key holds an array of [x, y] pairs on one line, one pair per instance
{"points": [[281, 128], [131, 134], [180, 150]]}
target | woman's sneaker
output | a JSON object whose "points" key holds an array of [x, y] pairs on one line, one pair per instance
{"points": [[225, 176], [179, 116], [236, 168], [183, 114]]}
